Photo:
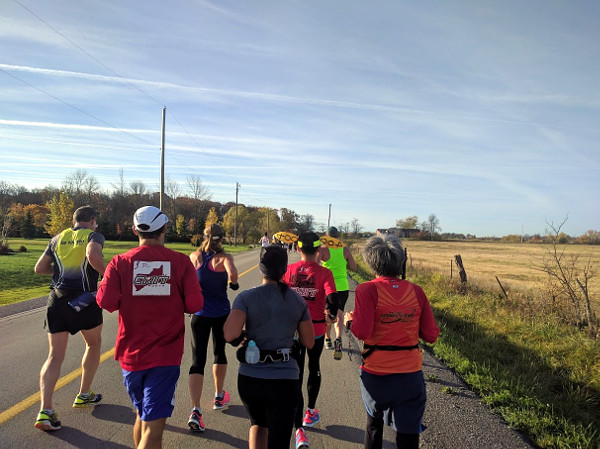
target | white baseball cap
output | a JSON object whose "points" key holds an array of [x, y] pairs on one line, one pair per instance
{"points": [[149, 219]]}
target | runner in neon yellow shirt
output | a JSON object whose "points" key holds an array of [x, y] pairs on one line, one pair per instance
{"points": [[338, 260]]}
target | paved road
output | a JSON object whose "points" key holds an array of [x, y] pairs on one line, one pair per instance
{"points": [[453, 420]]}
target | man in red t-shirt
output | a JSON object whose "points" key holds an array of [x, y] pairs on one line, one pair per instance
{"points": [[317, 286], [152, 287]]}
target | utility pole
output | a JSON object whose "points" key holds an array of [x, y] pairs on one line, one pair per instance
{"points": [[329, 216], [162, 161], [237, 189]]}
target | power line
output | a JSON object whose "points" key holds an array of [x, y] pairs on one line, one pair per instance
{"points": [[80, 48], [75, 107], [86, 52]]}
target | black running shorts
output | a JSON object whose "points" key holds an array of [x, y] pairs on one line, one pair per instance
{"points": [[342, 299], [61, 317]]}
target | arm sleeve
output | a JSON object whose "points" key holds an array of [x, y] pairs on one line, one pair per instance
{"points": [[428, 329], [109, 290], [365, 303]]}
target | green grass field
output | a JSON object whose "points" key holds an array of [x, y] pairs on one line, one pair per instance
{"points": [[18, 282]]}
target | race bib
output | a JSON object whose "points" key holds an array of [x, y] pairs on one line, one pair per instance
{"points": [[151, 278]]}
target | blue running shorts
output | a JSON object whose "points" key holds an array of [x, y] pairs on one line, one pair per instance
{"points": [[152, 391]]}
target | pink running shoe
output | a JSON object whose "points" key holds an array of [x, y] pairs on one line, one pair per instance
{"points": [[301, 441], [195, 422], [310, 419], [222, 403]]}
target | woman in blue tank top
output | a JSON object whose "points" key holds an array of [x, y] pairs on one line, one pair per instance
{"points": [[214, 268]]}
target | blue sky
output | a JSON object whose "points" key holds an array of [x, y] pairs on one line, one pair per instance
{"points": [[486, 114]]}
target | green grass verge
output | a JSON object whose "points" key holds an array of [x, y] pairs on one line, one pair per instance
{"points": [[542, 377], [18, 282]]}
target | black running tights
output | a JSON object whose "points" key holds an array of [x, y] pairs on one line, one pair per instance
{"points": [[313, 384], [374, 436]]}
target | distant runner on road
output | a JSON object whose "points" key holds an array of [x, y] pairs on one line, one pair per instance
{"points": [[264, 240], [338, 260], [74, 260]]}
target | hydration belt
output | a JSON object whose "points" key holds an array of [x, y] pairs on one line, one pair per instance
{"points": [[318, 321], [275, 355], [368, 349]]}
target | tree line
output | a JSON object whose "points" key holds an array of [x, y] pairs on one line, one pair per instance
{"points": [[430, 230], [44, 212]]}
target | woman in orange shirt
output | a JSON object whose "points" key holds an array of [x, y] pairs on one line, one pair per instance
{"points": [[390, 315]]}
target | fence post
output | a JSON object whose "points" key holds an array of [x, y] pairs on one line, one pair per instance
{"points": [[461, 269], [500, 284]]}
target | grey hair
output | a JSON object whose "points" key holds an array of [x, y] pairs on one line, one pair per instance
{"points": [[384, 255]]}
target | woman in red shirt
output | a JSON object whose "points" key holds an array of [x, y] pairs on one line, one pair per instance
{"points": [[390, 316]]}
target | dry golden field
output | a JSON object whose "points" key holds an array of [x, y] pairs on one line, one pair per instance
{"points": [[513, 263]]}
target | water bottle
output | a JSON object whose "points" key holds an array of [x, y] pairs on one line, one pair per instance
{"points": [[252, 352]]}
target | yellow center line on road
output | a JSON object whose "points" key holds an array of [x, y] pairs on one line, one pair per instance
{"points": [[66, 379], [34, 398], [248, 270]]}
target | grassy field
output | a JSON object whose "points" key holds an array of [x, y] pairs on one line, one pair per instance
{"points": [[513, 263], [541, 375], [19, 283]]}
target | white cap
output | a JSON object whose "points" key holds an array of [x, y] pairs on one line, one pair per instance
{"points": [[149, 219]]}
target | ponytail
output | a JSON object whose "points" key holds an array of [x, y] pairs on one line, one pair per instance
{"points": [[213, 238], [283, 287]]}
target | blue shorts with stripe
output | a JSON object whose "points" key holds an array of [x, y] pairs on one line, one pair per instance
{"points": [[152, 391]]}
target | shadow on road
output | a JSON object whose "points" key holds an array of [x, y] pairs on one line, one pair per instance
{"points": [[114, 413], [77, 438], [344, 433], [211, 435], [236, 410]]}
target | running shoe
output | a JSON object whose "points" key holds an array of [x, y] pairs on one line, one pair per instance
{"points": [[328, 344], [195, 422], [222, 403], [47, 420], [337, 350], [83, 400], [310, 419], [301, 440]]}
